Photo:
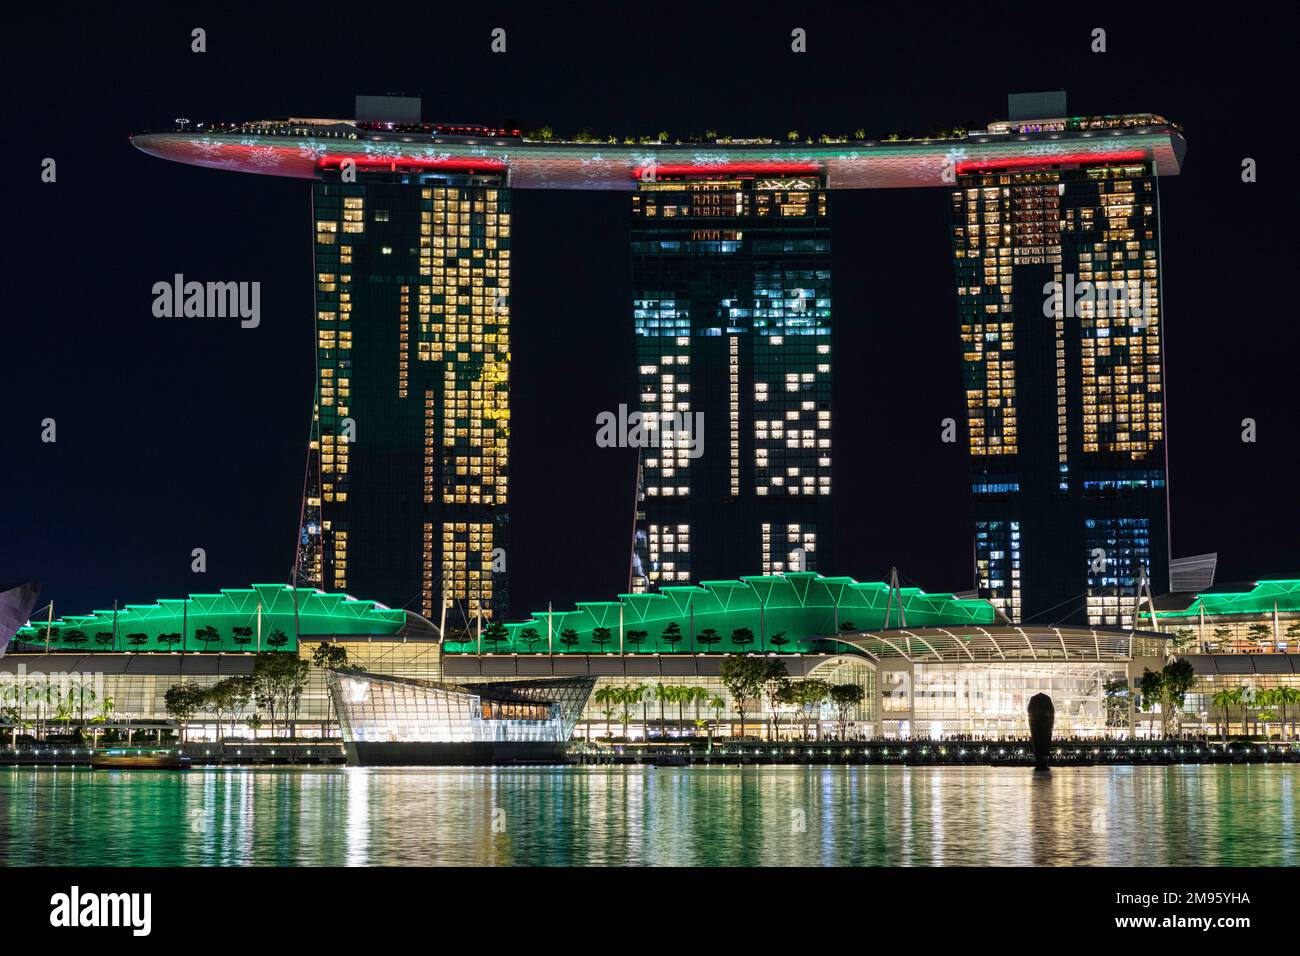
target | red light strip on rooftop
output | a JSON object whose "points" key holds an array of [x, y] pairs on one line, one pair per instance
{"points": [[459, 164], [1065, 159], [729, 169]]}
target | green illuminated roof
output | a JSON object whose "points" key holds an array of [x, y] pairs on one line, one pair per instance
{"points": [[265, 609], [784, 612], [1261, 599]]}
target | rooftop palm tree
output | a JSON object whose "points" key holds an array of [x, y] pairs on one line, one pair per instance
{"points": [[208, 636], [671, 635], [1222, 637], [1293, 633], [496, 634], [742, 637], [1260, 633]]}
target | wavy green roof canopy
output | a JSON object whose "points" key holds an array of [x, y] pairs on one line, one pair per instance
{"points": [[784, 613], [1258, 600], [269, 612]]}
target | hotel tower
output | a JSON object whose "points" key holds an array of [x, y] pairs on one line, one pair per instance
{"points": [[1058, 296], [731, 287]]}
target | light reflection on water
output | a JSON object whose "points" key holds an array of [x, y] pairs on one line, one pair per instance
{"points": [[751, 816]]}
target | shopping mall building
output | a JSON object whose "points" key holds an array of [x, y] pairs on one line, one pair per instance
{"points": [[932, 665]]}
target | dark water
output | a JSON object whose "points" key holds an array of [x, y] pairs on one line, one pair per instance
{"points": [[754, 816]]}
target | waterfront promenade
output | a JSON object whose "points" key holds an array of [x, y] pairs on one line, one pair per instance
{"points": [[913, 753]]}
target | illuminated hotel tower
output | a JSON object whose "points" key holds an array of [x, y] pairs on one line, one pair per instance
{"points": [[1064, 389], [731, 282], [406, 490]]}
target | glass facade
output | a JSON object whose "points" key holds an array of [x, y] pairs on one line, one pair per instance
{"points": [[407, 481], [732, 309], [1058, 296], [990, 700], [383, 709]]}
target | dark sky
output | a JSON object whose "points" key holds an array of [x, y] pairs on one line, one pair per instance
{"points": [[176, 435]]}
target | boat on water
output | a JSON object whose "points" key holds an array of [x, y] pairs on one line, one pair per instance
{"points": [[139, 760]]}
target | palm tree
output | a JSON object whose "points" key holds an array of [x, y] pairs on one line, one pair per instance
{"points": [[663, 694], [682, 695], [63, 712], [1266, 700], [1246, 700], [106, 708], [84, 687], [1225, 699], [641, 694], [717, 703], [1287, 696], [608, 697]]}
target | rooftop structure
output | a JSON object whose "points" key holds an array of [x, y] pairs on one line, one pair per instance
{"points": [[306, 148], [261, 617], [782, 613]]}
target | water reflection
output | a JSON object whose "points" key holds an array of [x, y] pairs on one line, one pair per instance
{"points": [[751, 816]]}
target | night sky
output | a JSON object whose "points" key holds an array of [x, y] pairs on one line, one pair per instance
{"points": [[174, 435]]}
